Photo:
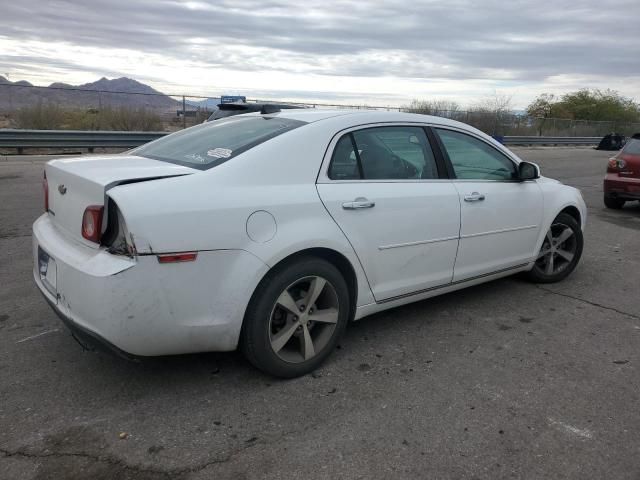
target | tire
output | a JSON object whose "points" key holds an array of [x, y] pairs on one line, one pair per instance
{"points": [[266, 339], [564, 254], [614, 203]]}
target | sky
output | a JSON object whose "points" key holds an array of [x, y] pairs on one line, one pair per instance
{"points": [[384, 52]]}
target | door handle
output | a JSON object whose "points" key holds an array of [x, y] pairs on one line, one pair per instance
{"points": [[358, 203], [474, 197]]}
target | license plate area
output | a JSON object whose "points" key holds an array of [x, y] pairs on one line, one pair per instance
{"points": [[48, 271]]}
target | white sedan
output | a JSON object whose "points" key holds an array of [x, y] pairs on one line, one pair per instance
{"points": [[270, 232]]}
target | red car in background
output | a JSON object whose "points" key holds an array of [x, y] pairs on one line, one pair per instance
{"points": [[622, 181]]}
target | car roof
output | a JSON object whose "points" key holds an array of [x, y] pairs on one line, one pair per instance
{"points": [[310, 115]]}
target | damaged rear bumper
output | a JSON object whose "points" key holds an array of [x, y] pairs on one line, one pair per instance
{"points": [[140, 307], [88, 339]]}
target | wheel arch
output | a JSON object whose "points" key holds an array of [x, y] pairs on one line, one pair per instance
{"points": [[572, 211], [337, 259]]}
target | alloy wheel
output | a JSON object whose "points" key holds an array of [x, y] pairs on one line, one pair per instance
{"points": [[558, 249], [303, 319]]}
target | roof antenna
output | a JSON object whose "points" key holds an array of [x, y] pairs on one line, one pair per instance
{"points": [[266, 109]]}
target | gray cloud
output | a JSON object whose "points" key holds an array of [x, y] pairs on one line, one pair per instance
{"points": [[519, 40]]}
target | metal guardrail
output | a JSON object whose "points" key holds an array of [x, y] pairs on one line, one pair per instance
{"points": [[21, 139]]}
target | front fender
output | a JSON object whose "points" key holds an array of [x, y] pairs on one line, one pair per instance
{"points": [[558, 197]]}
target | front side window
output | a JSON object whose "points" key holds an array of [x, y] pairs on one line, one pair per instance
{"points": [[474, 159], [213, 143], [383, 153]]}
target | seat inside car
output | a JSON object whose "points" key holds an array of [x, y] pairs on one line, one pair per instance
{"points": [[344, 165]]}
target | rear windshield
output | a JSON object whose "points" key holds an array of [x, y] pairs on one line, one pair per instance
{"points": [[218, 114], [213, 143], [632, 147]]}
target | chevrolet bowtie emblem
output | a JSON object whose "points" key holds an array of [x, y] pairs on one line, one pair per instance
{"points": [[62, 189]]}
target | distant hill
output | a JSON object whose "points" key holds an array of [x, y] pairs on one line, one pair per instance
{"points": [[210, 104], [104, 92]]}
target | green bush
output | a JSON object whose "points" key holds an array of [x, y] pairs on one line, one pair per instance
{"points": [[129, 119], [43, 116], [47, 116]]}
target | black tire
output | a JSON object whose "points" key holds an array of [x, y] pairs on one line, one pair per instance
{"points": [[614, 203], [256, 337], [538, 273]]}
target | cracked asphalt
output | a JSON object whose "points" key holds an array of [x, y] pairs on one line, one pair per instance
{"points": [[503, 380]]}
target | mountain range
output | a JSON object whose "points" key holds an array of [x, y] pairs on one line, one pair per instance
{"points": [[116, 92]]}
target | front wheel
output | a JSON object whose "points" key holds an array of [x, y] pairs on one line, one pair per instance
{"points": [[560, 252], [295, 317]]}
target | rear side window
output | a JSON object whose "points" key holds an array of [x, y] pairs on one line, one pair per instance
{"points": [[474, 159], [383, 153], [211, 144], [632, 147]]}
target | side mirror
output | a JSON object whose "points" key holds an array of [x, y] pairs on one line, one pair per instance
{"points": [[528, 171]]}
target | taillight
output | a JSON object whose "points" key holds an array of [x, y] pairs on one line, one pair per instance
{"points": [[45, 189], [92, 223], [616, 164]]}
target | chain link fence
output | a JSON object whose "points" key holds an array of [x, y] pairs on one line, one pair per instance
{"points": [[510, 124], [69, 108]]}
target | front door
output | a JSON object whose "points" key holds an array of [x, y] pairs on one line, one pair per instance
{"points": [[501, 216], [384, 189]]}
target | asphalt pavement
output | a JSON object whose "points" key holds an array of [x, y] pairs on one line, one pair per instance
{"points": [[503, 380]]}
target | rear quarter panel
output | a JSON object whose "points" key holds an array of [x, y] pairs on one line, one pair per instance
{"points": [[209, 210]]}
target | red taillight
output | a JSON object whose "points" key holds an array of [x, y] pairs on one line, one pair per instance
{"points": [[45, 189], [177, 257], [92, 223], [616, 164]]}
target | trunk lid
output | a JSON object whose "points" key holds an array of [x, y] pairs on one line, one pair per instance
{"points": [[632, 165], [631, 156], [76, 183]]}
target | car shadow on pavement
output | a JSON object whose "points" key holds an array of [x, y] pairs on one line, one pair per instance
{"points": [[452, 313]]}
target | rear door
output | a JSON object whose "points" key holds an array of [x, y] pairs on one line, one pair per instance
{"points": [[391, 198], [500, 216]]}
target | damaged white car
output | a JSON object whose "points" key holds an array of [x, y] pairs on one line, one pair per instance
{"points": [[272, 231]]}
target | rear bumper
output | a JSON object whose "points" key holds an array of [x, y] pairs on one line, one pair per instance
{"points": [[621, 187], [139, 307], [88, 339]]}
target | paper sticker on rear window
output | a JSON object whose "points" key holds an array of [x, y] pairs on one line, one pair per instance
{"points": [[219, 153]]}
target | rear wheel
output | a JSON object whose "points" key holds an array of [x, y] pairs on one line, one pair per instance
{"points": [[296, 317], [611, 202], [560, 252]]}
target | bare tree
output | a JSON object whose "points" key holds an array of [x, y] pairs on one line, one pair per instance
{"points": [[441, 108], [493, 108]]}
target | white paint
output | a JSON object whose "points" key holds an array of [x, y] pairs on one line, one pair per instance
{"points": [[249, 213], [583, 433], [261, 226], [38, 335]]}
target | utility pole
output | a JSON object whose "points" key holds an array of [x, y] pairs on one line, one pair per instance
{"points": [[184, 113]]}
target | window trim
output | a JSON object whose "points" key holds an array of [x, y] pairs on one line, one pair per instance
{"points": [[356, 153], [441, 166], [450, 168]]}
